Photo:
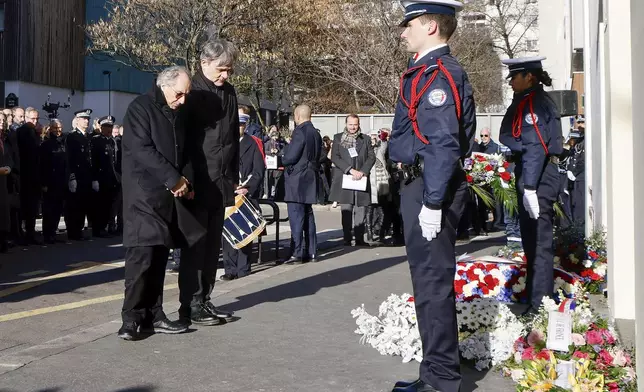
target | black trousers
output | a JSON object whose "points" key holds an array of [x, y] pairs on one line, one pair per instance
{"points": [[432, 269], [237, 261], [53, 204], [76, 209], [116, 211], [537, 236], [144, 276], [198, 267], [303, 231], [102, 207], [578, 200], [29, 201]]}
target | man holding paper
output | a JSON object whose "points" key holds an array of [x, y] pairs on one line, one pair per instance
{"points": [[301, 184], [353, 158]]}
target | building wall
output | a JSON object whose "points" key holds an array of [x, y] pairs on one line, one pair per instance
{"points": [[555, 41], [35, 95]]}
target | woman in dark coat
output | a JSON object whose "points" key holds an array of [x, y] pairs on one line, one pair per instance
{"points": [[352, 155]]}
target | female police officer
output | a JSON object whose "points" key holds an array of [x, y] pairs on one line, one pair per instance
{"points": [[531, 128]]}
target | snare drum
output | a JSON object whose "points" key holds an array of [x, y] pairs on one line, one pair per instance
{"points": [[242, 223]]}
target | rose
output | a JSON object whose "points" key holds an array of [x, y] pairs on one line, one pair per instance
{"points": [[489, 167], [506, 164], [535, 337], [593, 255], [505, 176], [544, 354], [469, 178], [581, 355], [594, 338], [578, 339], [610, 339], [606, 358], [528, 354]]}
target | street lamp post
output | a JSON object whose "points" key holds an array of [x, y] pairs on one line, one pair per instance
{"points": [[109, 87]]}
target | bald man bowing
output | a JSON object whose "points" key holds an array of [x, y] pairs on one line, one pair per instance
{"points": [[302, 182]]}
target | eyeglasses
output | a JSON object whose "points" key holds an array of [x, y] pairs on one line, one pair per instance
{"points": [[484, 135]]}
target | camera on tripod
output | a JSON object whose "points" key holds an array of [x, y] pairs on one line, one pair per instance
{"points": [[52, 108]]}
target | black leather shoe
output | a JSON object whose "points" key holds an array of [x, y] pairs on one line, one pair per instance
{"points": [[204, 317], [217, 312], [128, 331], [414, 386], [314, 259], [165, 326], [227, 277]]}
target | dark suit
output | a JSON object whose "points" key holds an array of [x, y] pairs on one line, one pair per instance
{"points": [[154, 220], [212, 151], [28, 144], [251, 162], [302, 183]]}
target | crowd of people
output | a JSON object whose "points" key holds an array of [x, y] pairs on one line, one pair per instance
{"points": [[49, 172]]}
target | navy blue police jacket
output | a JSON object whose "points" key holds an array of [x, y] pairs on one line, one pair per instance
{"points": [[531, 128], [445, 116], [301, 158]]}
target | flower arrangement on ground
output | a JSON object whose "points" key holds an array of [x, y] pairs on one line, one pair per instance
{"points": [[488, 176], [487, 330], [598, 362], [502, 280], [585, 257]]}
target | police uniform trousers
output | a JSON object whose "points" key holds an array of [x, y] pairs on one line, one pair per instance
{"points": [[144, 276], [537, 235], [53, 203], [102, 206], [76, 209], [578, 200], [198, 267], [304, 244], [433, 266]]}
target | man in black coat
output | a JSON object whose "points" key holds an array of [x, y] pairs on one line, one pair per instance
{"points": [[53, 174], [213, 150], [105, 177], [80, 175], [154, 218], [28, 138], [251, 170], [302, 183]]}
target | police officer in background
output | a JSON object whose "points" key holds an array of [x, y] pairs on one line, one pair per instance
{"points": [[80, 176], [531, 128], [53, 174], [434, 127], [105, 180], [115, 225], [577, 174]]}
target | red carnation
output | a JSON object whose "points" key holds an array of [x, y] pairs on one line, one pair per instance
{"points": [[505, 176], [480, 158], [471, 276], [606, 358], [469, 178], [528, 354], [485, 290], [581, 355], [490, 267], [593, 255], [458, 286], [506, 164], [489, 168], [410, 299], [544, 354], [491, 281]]}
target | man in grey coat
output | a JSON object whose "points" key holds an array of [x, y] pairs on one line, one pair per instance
{"points": [[352, 155]]}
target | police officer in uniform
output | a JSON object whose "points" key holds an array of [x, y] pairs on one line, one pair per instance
{"points": [[104, 175], [577, 174], [434, 128], [531, 128], [53, 174], [80, 177]]}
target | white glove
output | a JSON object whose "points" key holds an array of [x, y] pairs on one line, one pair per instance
{"points": [[72, 186], [571, 176], [95, 186], [531, 203], [430, 222]]}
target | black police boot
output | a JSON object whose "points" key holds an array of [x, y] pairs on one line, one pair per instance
{"points": [[128, 331]]}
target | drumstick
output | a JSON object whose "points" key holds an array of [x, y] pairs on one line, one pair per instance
{"points": [[246, 181]]}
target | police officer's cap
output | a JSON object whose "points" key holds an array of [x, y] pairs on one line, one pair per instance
{"points": [[107, 120], [84, 113], [580, 119], [516, 66], [243, 118], [414, 9], [574, 135]]}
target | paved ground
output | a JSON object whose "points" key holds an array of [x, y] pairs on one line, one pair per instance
{"points": [[296, 333]]}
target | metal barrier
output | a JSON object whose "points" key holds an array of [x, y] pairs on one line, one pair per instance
{"points": [[269, 221]]}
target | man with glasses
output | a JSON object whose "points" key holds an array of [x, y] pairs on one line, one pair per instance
{"points": [[28, 138], [212, 147]]}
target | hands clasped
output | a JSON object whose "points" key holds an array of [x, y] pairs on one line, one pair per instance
{"points": [[356, 175], [183, 189]]}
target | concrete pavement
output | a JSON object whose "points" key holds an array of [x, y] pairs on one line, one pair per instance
{"points": [[296, 332]]}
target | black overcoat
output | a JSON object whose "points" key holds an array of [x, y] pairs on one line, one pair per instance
{"points": [[153, 146], [251, 161], [212, 140]]}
